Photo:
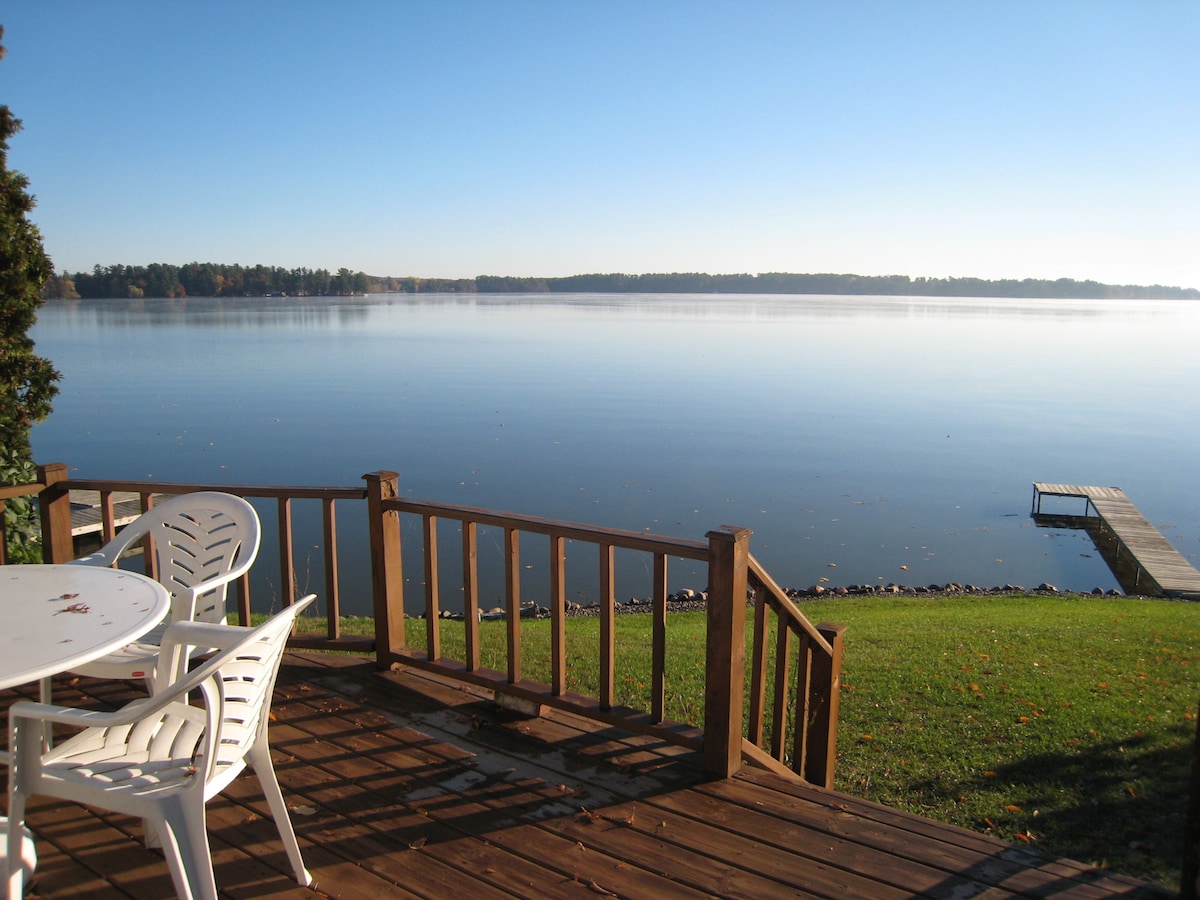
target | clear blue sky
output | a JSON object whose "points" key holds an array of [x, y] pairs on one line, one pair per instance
{"points": [[1016, 139]]}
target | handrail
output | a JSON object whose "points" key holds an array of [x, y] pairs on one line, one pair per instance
{"points": [[8, 491], [785, 606], [573, 531], [299, 492]]}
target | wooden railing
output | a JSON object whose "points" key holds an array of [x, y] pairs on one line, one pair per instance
{"points": [[749, 711], [732, 729], [815, 652], [58, 545]]}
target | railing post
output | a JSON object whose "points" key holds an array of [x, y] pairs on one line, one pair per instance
{"points": [[725, 654], [54, 503], [824, 702], [387, 585]]}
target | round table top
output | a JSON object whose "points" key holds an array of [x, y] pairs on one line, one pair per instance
{"points": [[54, 618]]}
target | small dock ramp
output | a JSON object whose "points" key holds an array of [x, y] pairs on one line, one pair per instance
{"points": [[1141, 558], [86, 512]]}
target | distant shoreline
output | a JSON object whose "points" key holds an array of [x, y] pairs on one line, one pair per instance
{"points": [[225, 280]]}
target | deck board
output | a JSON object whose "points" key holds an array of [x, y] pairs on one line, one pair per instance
{"points": [[403, 786]]}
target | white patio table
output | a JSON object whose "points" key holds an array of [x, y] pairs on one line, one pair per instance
{"points": [[53, 618]]}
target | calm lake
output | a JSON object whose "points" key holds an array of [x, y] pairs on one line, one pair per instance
{"points": [[863, 439]]}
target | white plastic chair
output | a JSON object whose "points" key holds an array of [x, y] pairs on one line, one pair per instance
{"points": [[160, 758], [202, 542]]}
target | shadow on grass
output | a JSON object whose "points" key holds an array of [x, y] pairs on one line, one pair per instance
{"points": [[1120, 805]]}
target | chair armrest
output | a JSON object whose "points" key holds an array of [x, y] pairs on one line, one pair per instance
{"points": [[98, 558], [81, 718], [210, 634], [110, 553], [202, 634]]}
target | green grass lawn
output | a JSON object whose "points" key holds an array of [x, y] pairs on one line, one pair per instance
{"points": [[1064, 723]]}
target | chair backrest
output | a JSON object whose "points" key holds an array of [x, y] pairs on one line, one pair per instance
{"points": [[236, 683], [202, 542]]}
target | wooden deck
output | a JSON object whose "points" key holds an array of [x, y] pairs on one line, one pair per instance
{"points": [[1158, 567], [402, 785]]}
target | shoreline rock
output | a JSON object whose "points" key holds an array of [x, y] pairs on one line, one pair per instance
{"points": [[692, 600]]}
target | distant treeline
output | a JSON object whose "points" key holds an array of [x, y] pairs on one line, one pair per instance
{"points": [[786, 283], [216, 280]]}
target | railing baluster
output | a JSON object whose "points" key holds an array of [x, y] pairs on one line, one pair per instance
{"points": [[512, 593], [433, 614], [758, 670], [558, 616], [470, 554], [149, 555], [242, 593], [826, 691], [779, 703], [804, 697], [333, 602], [658, 641], [287, 562], [608, 614], [108, 525]]}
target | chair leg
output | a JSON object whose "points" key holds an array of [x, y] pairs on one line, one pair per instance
{"points": [[151, 835], [259, 758], [184, 837], [20, 848], [16, 822], [46, 695]]}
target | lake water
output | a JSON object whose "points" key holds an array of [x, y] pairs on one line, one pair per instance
{"points": [[856, 436]]}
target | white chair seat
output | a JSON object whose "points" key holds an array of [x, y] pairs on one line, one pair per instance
{"points": [[135, 660]]}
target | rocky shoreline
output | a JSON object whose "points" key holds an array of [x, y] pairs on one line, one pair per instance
{"points": [[687, 600]]}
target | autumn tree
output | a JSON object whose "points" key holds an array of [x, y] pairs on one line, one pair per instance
{"points": [[28, 380]]}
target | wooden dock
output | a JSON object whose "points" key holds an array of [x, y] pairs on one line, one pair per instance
{"points": [[1158, 568], [86, 512]]}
